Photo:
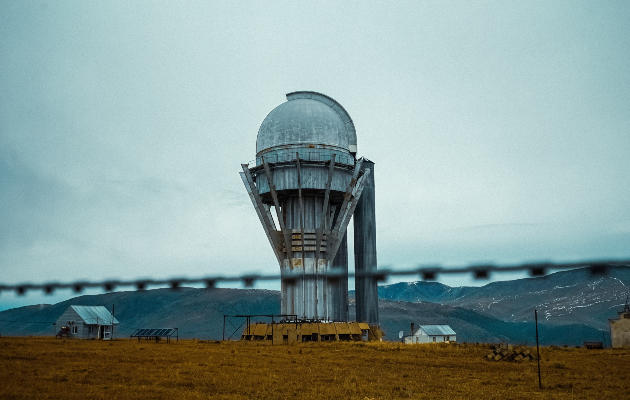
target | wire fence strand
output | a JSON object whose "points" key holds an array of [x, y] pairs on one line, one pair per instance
{"points": [[424, 272]]}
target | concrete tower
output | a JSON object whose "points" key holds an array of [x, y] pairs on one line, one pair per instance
{"points": [[306, 173]]}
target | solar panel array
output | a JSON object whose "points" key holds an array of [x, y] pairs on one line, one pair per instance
{"points": [[152, 332]]}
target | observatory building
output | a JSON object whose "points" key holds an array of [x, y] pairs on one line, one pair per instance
{"points": [[307, 176]]}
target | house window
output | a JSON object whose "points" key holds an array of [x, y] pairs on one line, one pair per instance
{"points": [[75, 329], [433, 339]]}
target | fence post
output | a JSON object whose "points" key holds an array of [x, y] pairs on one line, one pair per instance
{"points": [[537, 349]]}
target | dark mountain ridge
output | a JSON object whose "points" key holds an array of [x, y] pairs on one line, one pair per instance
{"points": [[475, 327], [196, 312], [573, 306], [565, 297]]}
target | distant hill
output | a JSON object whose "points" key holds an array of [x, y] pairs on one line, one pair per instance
{"points": [[568, 297], [198, 313], [475, 327]]}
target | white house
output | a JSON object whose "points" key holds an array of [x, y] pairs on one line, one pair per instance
{"points": [[86, 322], [432, 334]]}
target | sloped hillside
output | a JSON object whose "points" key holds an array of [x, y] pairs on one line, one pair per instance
{"points": [[198, 313], [475, 327], [561, 298]]}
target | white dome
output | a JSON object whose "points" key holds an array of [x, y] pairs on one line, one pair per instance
{"points": [[308, 118]]}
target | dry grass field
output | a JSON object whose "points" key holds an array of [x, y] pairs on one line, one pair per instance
{"points": [[65, 369]]}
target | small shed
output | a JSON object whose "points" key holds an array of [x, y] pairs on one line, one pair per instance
{"points": [[620, 328], [86, 322], [432, 334]]}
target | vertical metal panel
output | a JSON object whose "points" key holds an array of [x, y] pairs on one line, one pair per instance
{"points": [[338, 288], [303, 295], [301, 222], [322, 224], [329, 303], [366, 289]]}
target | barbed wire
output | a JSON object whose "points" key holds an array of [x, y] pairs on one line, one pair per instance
{"points": [[27, 322], [425, 272]]}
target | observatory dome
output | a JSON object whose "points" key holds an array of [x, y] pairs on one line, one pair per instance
{"points": [[307, 118]]}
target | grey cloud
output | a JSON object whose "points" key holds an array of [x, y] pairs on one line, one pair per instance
{"points": [[499, 132]]}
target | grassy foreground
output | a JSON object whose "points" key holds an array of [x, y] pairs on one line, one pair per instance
{"points": [[65, 369]]}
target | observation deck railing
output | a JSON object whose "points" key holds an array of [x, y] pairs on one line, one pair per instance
{"points": [[304, 156]]}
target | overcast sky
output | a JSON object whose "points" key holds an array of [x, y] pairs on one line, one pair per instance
{"points": [[500, 130]]}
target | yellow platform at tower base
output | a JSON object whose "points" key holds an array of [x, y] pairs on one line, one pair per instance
{"points": [[293, 332]]}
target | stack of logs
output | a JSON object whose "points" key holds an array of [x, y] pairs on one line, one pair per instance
{"points": [[518, 354]]}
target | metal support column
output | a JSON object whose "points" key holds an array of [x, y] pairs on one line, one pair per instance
{"points": [[286, 233], [366, 288]]}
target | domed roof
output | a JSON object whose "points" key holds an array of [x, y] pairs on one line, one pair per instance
{"points": [[307, 118]]}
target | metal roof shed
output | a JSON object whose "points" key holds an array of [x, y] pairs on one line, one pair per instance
{"points": [[86, 322], [432, 334]]}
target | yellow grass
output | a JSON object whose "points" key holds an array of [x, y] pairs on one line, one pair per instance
{"points": [[66, 369]]}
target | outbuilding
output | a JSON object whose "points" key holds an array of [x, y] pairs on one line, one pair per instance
{"points": [[86, 322], [432, 334], [620, 328]]}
